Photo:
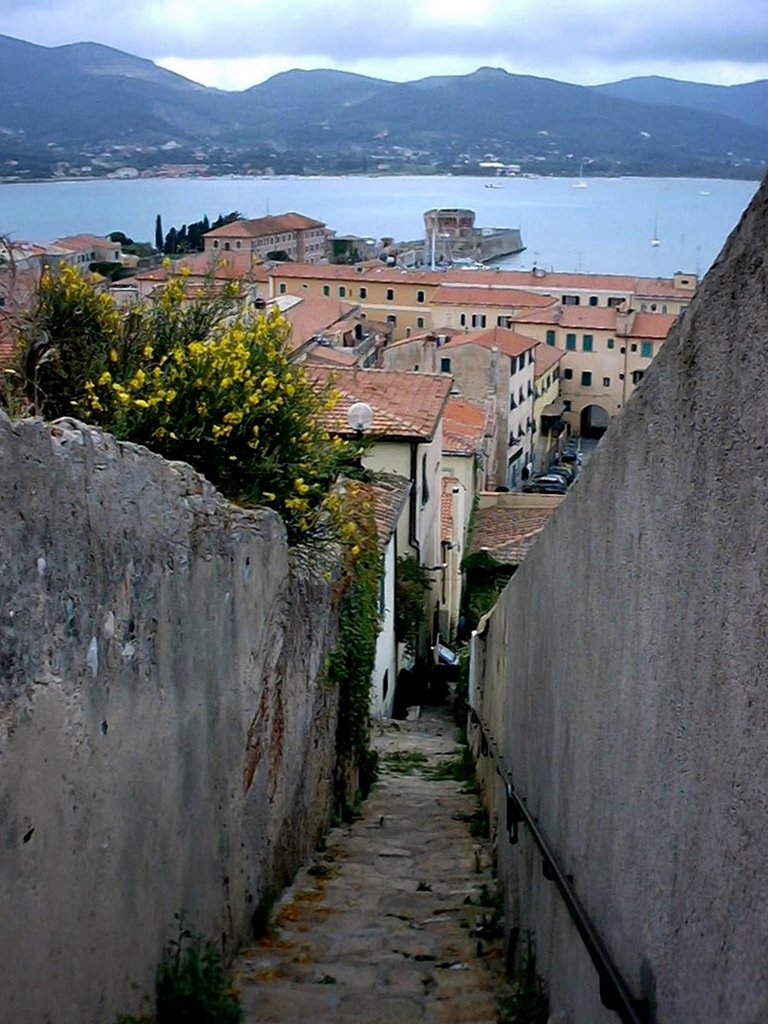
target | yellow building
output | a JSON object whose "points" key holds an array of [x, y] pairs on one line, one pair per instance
{"points": [[548, 406]]}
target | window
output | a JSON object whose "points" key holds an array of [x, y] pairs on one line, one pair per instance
{"points": [[637, 376], [342, 291], [567, 404], [478, 319], [445, 365], [521, 362], [570, 342], [615, 300], [586, 343], [512, 402], [419, 296], [419, 321], [646, 349], [556, 373], [550, 337], [611, 343], [215, 243], [622, 349], [282, 289], [424, 484], [606, 382], [586, 379], [530, 356], [568, 373], [571, 300], [530, 389], [463, 320], [363, 293], [392, 320], [664, 307], [390, 294], [593, 301], [326, 289], [633, 347]]}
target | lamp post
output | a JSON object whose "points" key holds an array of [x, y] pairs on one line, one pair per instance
{"points": [[360, 419]]}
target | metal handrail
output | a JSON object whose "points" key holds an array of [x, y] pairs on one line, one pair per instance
{"points": [[615, 994]]}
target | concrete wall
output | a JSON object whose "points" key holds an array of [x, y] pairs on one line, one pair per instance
{"points": [[164, 740], [624, 674]]}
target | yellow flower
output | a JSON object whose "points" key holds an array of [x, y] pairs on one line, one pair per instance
{"points": [[105, 378], [113, 356]]}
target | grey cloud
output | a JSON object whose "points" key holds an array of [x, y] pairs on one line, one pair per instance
{"points": [[347, 30]]}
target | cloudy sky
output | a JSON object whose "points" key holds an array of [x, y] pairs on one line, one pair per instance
{"points": [[235, 43]]}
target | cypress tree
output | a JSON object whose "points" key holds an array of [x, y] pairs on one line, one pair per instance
{"points": [[158, 233]]}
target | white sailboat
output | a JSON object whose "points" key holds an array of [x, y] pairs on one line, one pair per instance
{"points": [[580, 183], [655, 240]]}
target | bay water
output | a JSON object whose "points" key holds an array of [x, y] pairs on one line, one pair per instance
{"points": [[604, 225]]}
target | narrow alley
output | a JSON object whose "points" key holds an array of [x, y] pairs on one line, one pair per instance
{"points": [[395, 922]]}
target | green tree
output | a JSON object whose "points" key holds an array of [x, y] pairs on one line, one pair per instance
{"points": [[159, 237]]}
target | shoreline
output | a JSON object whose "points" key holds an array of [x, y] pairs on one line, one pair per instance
{"points": [[353, 175]]}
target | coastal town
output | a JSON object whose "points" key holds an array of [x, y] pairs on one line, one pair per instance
{"points": [[484, 384]]}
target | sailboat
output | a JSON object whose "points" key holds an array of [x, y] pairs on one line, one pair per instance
{"points": [[655, 240], [580, 183]]}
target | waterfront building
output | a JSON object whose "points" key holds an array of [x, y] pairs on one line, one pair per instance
{"points": [[300, 238]]}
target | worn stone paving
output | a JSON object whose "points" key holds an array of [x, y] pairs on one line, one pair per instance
{"points": [[393, 923]]}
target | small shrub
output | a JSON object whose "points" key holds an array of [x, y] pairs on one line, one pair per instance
{"points": [[192, 985], [528, 1003]]}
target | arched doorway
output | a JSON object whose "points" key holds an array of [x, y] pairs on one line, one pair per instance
{"points": [[594, 421]]}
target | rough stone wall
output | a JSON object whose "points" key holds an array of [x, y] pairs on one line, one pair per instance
{"points": [[166, 741], [625, 674]]}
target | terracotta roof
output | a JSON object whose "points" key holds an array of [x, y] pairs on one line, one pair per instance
{"points": [[265, 226], [651, 325], [509, 342], [311, 316], [507, 534], [323, 355], [388, 494], [447, 484], [467, 295], [466, 424], [545, 357], [406, 405], [224, 266], [549, 283], [600, 318], [84, 241]]}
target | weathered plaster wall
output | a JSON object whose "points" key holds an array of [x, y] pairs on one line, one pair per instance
{"points": [[626, 671], [164, 740]]}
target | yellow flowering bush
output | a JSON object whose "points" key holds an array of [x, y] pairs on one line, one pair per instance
{"points": [[238, 410], [193, 377]]}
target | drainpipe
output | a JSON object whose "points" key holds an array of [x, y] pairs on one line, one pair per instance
{"points": [[413, 539]]}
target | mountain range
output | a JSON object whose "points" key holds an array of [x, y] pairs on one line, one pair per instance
{"points": [[89, 110]]}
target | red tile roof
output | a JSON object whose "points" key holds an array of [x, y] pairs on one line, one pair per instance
{"points": [[507, 534], [599, 318], [651, 325], [387, 494], [265, 226], [509, 342], [406, 405], [310, 316], [548, 283], [85, 241], [468, 295], [545, 357], [466, 424]]}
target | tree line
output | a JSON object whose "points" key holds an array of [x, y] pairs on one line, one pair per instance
{"points": [[189, 237]]}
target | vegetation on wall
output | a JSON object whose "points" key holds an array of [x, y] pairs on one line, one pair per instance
{"points": [[351, 664], [191, 984], [484, 579], [412, 584], [192, 379]]}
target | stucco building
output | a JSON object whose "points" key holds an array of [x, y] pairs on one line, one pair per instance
{"points": [[301, 238]]}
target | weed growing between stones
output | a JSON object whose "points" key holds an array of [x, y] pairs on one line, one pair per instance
{"points": [[403, 762], [191, 985], [528, 1002]]}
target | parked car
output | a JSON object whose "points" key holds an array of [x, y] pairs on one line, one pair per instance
{"points": [[546, 484], [565, 471]]}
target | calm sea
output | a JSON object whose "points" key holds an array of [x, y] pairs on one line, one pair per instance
{"points": [[605, 227]]}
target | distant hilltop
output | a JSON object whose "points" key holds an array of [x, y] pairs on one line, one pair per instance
{"points": [[133, 118]]}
